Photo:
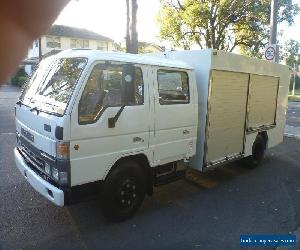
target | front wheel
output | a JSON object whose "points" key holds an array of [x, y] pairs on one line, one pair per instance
{"points": [[258, 153], [124, 191]]}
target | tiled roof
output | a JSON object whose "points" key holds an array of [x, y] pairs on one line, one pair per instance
{"points": [[67, 31]]}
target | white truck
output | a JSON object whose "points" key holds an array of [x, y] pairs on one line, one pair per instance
{"points": [[114, 125]]}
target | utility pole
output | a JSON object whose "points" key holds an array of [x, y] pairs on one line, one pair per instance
{"points": [[273, 28], [131, 33]]}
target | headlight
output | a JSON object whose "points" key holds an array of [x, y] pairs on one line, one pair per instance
{"points": [[47, 168], [61, 177], [55, 174]]}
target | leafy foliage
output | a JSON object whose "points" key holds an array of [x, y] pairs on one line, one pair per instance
{"points": [[20, 78], [297, 84], [221, 24], [291, 54]]}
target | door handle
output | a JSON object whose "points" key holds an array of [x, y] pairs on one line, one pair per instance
{"points": [[137, 139], [185, 132]]}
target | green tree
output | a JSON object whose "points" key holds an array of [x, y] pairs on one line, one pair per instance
{"points": [[221, 24], [291, 53]]}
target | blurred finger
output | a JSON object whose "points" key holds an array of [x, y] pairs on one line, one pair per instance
{"points": [[20, 23]]}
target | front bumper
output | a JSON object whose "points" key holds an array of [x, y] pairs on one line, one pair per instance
{"points": [[49, 191]]}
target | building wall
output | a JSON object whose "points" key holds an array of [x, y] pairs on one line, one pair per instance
{"points": [[65, 43], [33, 51]]}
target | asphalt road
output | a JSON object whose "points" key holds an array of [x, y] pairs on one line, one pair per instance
{"points": [[225, 203]]}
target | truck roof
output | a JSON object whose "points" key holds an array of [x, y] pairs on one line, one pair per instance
{"points": [[95, 55]]}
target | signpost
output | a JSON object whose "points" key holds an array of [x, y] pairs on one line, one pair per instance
{"points": [[273, 31], [270, 52]]}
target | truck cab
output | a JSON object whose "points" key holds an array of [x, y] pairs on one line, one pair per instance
{"points": [[109, 124]]}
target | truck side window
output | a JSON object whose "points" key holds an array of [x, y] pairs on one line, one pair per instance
{"points": [[173, 87], [103, 89]]}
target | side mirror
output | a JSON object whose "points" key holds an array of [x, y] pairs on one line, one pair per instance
{"points": [[128, 96]]}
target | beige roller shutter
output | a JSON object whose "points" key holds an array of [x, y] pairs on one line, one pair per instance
{"points": [[262, 101], [227, 114]]}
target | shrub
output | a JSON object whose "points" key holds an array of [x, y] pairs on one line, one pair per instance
{"points": [[20, 78]]}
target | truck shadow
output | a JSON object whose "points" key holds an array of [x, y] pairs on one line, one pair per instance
{"points": [[215, 176], [87, 216]]}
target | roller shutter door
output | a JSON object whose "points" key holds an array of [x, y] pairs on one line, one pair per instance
{"points": [[226, 114], [262, 101]]}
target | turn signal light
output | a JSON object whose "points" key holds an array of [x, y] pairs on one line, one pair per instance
{"points": [[63, 150]]}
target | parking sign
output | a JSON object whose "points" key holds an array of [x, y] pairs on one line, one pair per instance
{"points": [[270, 52]]}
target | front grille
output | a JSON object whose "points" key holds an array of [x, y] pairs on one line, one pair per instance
{"points": [[32, 158], [35, 164]]}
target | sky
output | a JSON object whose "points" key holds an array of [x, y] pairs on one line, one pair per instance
{"points": [[108, 18], [292, 32]]}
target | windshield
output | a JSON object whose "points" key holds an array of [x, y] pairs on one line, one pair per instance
{"points": [[52, 85]]}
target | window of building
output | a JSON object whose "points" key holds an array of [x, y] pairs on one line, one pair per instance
{"points": [[36, 43], [53, 41], [104, 89], [79, 43], [102, 45], [173, 87]]}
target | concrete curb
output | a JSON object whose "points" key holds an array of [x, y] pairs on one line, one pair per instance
{"points": [[292, 136], [292, 131]]}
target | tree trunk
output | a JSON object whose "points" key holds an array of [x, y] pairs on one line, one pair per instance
{"points": [[40, 48], [134, 35], [127, 27], [131, 33]]}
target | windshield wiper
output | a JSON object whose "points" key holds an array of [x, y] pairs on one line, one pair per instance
{"points": [[19, 103], [36, 109]]}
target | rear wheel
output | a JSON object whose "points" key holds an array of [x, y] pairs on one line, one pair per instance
{"points": [[124, 191], [258, 153]]}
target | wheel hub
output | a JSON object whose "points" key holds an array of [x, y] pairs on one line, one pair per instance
{"points": [[127, 194]]}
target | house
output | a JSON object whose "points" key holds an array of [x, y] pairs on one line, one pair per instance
{"points": [[62, 37], [145, 47]]}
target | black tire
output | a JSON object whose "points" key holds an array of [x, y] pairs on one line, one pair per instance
{"points": [[258, 153], [123, 191]]}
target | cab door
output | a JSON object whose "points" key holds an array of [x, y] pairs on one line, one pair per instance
{"points": [[96, 145], [174, 115]]}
